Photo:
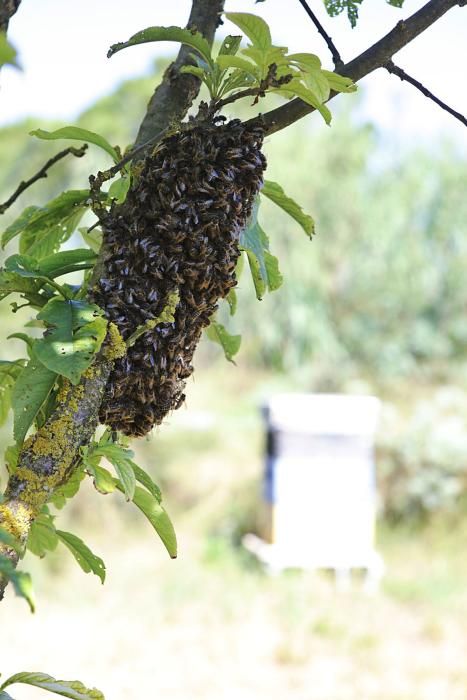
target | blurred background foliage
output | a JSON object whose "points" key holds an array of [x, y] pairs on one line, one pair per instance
{"points": [[375, 303]]}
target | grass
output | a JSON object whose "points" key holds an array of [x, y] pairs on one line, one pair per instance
{"points": [[212, 624]]}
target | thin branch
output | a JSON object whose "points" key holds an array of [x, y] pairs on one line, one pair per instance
{"points": [[336, 57], [392, 68], [96, 181], [374, 57], [270, 80], [78, 152]]}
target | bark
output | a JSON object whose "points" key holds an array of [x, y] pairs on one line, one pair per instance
{"points": [[7, 10], [174, 95], [49, 457]]}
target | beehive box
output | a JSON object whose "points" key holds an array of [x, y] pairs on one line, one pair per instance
{"points": [[319, 484]]}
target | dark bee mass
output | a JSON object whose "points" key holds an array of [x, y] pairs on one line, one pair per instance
{"points": [[177, 230]]}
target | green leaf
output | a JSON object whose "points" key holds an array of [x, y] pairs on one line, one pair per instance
{"points": [[335, 7], [10, 282], [266, 57], [158, 518], [232, 301], [22, 265], [225, 62], [75, 332], [119, 189], [254, 27], [59, 214], [230, 45], [190, 37], [88, 561], [305, 61], [69, 489], [339, 83], [21, 583], [8, 53], [264, 267], [9, 372], [255, 240], [296, 89], [92, 238], [68, 689], [104, 482], [258, 276], [317, 82], [274, 192], [147, 501], [42, 537], [30, 392], [120, 458], [76, 133], [51, 266], [194, 70], [11, 458], [126, 475], [229, 343], [42, 243], [273, 275], [20, 224], [67, 261], [144, 479]]}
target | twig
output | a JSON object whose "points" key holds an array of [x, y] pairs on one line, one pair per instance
{"points": [[260, 91], [336, 57], [249, 92], [78, 152], [96, 181], [392, 68], [376, 56]]}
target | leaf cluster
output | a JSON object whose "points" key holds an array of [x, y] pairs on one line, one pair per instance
{"points": [[259, 68], [351, 7], [68, 689]]}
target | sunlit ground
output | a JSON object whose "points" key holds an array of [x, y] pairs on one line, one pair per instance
{"points": [[212, 625]]}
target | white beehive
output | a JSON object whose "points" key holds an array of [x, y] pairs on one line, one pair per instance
{"points": [[319, 484]]}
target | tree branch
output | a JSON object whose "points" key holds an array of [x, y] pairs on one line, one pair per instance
{"points": [[392, 68], [78, 152], [336, 57], [375, 57], [49, 457], [175, 94], [7, 10]]}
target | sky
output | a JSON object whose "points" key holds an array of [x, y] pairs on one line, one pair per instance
{"points": [[62, 46]]}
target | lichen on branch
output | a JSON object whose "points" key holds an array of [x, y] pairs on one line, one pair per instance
{"points": [[49, 457]]}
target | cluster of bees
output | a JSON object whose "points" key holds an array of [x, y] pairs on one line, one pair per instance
{"points": [[178, 230]]}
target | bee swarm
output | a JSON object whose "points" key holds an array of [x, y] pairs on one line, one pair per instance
{"points": [[179, 230]]}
